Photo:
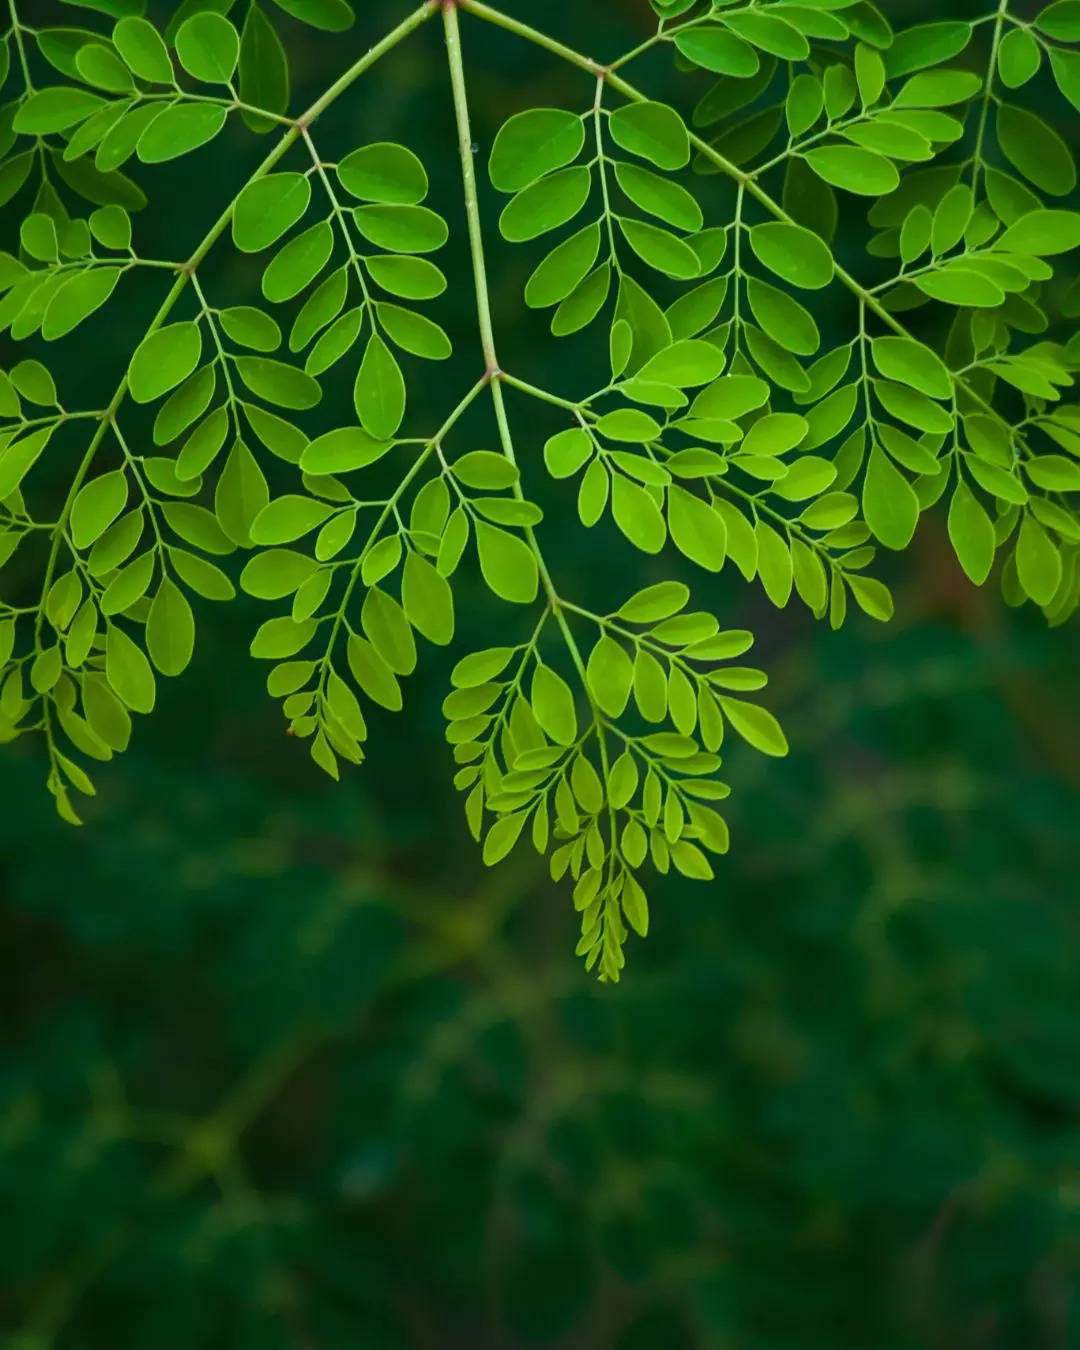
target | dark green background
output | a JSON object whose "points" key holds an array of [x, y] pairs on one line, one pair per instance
{"points": [[285, 1068]]}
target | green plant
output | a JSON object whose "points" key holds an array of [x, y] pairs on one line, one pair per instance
{"points": [[711, 430]]}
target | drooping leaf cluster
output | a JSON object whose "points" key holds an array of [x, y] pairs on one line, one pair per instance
{"points": [[727, 429]]}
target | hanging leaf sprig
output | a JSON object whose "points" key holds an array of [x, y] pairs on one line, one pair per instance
{"points": [[697, 248]]}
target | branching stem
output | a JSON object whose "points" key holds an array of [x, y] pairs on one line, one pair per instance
{"points": [[987, 98], [20, 46], [483, 302]]}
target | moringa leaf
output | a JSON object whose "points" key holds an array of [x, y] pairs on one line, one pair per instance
{"points": [[178, 130], [534, 143], [653, 131], [794, 254], [267, 208], [164, 360], [742, 385], [384, 173], [264, 69], [208, 47]]}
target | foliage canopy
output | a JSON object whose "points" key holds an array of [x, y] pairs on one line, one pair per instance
{"points": [[725, 428]]}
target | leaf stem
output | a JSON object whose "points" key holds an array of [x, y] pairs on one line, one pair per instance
{"points": [[534, 391], [999, 23], [343, 225], [472, 208], [215, 335], [534, 35], [16, 28], [483, 304], [483, 300], [601, 164]]}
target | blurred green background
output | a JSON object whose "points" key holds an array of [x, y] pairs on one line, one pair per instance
{"points": [[285, 1068]]}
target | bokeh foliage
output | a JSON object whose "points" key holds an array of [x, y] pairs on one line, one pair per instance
{"points": [[277, 1076]]}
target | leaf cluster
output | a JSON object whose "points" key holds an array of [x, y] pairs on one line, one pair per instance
{"points": [[699, 251]]}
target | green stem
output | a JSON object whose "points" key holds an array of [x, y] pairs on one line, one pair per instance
{"points": [[736, 271], [226, 373], [479, 264], [601, 164], [659, 36], [125, 264], [534, 391], [140, 483], [800, 145], [608, 623], [233, 105], [16, 28], [664, 34], [530, 34], [472, 208], [865, 376], [987, 99], [339, 215], [487, 336]]}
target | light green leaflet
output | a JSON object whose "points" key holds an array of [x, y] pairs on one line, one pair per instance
{"points": [[751, 388]]}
